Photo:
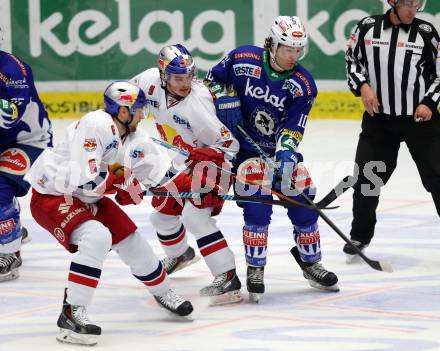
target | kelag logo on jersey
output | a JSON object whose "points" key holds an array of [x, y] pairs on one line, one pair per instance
{"points": [[248, 70], [293, 87], [257, 92]]}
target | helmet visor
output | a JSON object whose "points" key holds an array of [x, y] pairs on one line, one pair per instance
{"points": [[419, 5]]}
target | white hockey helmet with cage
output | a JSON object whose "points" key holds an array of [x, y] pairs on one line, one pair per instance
{"points": [[175, 59], [419, 4], [288, 31]]}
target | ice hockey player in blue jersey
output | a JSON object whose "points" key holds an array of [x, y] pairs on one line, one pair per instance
{"points": [[271, 97], [25, 131]]}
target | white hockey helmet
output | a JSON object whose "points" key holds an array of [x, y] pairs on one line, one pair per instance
{"points": [[420, 4], [123, 93], [288, 31]]}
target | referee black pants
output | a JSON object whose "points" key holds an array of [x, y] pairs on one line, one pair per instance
{"points": [[376, 157]]}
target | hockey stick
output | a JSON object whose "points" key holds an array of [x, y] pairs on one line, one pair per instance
{"points": [[328, 197], [378, 265], [337, 191], [226, 197]]}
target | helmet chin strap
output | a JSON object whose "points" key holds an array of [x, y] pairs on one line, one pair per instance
{"points": [[126, 126], [274, 62]]}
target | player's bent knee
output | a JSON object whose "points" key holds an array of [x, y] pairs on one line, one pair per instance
{"points": [[93, 238], [164, 223]]}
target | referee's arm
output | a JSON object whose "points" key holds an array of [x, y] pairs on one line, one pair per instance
{"points": [[432, 96], [357, 74], [355, 62]]}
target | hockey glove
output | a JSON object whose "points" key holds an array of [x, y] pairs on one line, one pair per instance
{"points": [[184, 183], [209, 200], [115, 172], [288, 161], [8, 114], [205, 154], [128, 192], [229, 112]]}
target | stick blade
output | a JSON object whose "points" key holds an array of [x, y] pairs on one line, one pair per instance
{"points": [[386, 266], [378, 265]]}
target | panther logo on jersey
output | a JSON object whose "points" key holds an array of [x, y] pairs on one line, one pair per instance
{"points": [[263, 121]]}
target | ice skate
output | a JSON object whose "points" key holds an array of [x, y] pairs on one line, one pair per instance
{"points": [[255, 283], [25, 237], [225, 289], [176, 264], [75, 326], [174, 303], [351, 256], [316, 274], [9, 264]]}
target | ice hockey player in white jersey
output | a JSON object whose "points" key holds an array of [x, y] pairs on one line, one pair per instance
{"points": [[185, 116], [25, 131], [69, 182]]}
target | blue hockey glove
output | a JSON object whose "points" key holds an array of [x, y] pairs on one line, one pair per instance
{"points": [[288, 161], [8, 114], [229, 112]]}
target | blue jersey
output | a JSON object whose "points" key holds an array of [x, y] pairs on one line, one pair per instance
{"points": [[17, 86], [273, 104]]}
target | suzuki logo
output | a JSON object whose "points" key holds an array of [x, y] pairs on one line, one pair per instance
{"points": [[64, 208]]}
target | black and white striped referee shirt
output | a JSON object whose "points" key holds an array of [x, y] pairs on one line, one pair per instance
{"points": [[401, 63]]}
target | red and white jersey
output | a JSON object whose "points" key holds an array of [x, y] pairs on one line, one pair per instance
{"points": [[187, 123], [78, 166]]}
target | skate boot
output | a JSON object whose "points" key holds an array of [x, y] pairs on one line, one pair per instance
{"points": [[255, 283], [174, 303], [176, 264], [351, 256], [224, 289], [75, 326], [9, 264], [317, 276]]}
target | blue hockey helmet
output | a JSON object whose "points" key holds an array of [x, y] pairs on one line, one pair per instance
{"points": [[175, 59]]}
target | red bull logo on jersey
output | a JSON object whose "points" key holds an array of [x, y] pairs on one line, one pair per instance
{"points": [[90, 144], [224, 133]]}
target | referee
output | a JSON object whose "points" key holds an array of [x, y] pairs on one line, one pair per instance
{"points": [[393, 64]]}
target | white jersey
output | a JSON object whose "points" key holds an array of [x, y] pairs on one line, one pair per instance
{"points": [[78, 165], [187, 123], [149, 163]]}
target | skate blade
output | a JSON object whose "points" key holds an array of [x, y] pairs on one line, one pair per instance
{"points": [[227, 298], [332, 288], [26, 240], [352, 259], [11, 275], [255, 297], [67, 336], [186, 264]]}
